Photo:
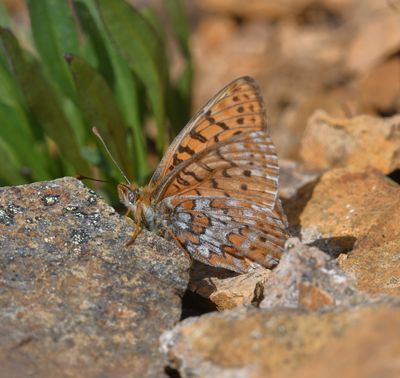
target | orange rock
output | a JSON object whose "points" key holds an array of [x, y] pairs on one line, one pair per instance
{"points": [[358, 142], [347, 204], [307, 278], [285, 343], [378, 90], [226, 289], [375, 260], [314, 298], [254, 8], [377, 39], [347, 209]]}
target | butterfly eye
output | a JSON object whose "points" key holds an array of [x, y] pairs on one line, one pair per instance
{"points": [[132, 196]]}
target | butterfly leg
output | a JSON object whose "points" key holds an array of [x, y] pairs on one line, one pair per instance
{"points": [[179, 243], [135, 234], [138, 227]]}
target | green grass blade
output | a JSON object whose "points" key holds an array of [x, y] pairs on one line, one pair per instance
{"points": [[43, 101], [180, 25], [90, 24], [139, 44], [14, 131], [127, 91], [54, 34], [9, 167], [180, 101], [5, 20], [100, 109]]}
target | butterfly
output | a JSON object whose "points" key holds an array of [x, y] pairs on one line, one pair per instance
{"points": [[215, 192]]}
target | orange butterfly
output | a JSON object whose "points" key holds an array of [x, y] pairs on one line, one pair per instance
{"points": [[215, 191]]}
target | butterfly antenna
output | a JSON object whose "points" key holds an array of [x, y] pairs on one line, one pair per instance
{"points": [[96, 132], [81, 177]]}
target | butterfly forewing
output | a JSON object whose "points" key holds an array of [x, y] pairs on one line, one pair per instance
{"points": [[244, 167], [237, 107], [216, 189]]}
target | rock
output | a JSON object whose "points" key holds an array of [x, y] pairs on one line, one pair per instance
{"points": [[342, 207], [298, 50], [378, 91], [74, 300], [358, 142], [307, 278], [293, 176], [272, 10], [375, 260], [256, 343], [377, 39], [227, 289]]}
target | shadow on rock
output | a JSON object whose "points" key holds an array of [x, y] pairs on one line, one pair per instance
{"points": [[335, 246]]}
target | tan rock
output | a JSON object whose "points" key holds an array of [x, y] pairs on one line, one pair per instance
{"points": [[226, 289], [350, 355], [293, 176], [378, 91], [375, 260], [307, 278], [360, 210], [344, 206], [254, 8], [358, 142], [280, 343], [377, 38], [301, 59]]}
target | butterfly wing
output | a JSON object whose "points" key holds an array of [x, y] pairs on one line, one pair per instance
{"points": [[244, 166], [237, 107], [226, 232], [216, 189]]}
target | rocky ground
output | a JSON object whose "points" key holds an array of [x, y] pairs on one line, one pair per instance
{"points": [[75, 301]]}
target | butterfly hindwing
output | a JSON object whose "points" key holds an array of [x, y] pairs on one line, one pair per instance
{"points": [[226, 232]]}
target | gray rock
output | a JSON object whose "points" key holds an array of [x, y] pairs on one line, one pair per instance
{"points": [[74, 300], [308, 278]]}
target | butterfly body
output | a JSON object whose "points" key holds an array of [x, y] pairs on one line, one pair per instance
{"points": [[215, 191], [138, 201]]}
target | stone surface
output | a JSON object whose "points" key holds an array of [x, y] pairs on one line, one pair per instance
{"points": [[307, 55], [74, 300], [293, 176], [254, 9], [256, 343], [358, 142], [378, 91], [375, 260], [227, 289], [356, 213], [375, 40], [341, 207], [307, 278]]}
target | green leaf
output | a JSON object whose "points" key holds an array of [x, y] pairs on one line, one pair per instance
{"points": [[101, 111], [95, 36], [180, 24], [43, 101], [139, 44], [180, 101], [15, 132], [9, 167], [4, 16], [127, 90], [55, 35]]}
